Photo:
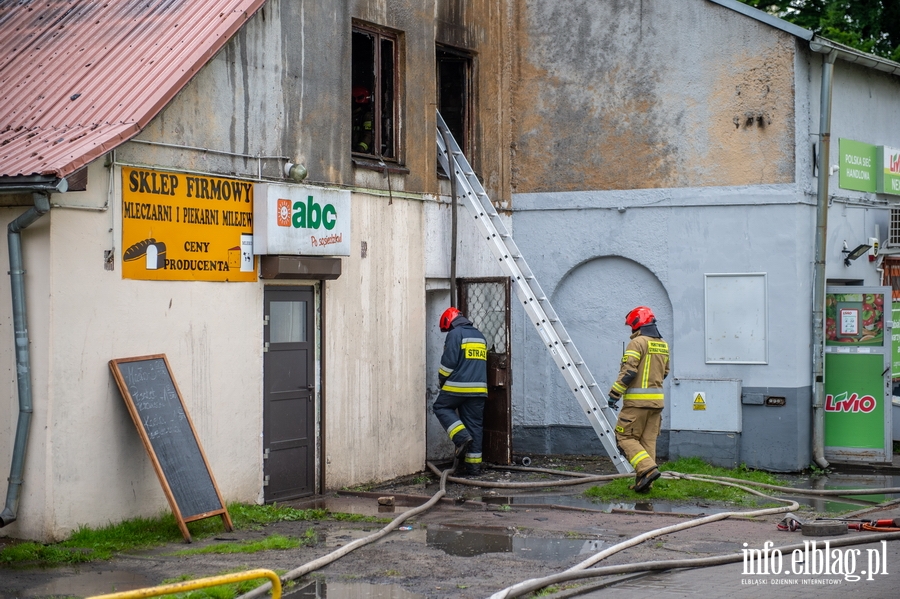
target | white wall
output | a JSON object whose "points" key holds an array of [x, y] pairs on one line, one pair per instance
{"points": [[85, 461], [375, 347], [35, 493]]}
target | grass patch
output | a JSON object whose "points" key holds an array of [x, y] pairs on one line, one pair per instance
{"points": [[96, 544], [687, 490], [270, 543]]}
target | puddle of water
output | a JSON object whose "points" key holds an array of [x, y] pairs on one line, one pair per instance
{"points": [[93, 583], [842, 480], [831, 504], [363, 506], [584, 502], [350, 590], [469, 543]]}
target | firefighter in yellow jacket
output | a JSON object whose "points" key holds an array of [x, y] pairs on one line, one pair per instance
{"points": [[644, 366]]}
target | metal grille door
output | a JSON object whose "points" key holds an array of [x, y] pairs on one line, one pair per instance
{"points": [[486, 303]]}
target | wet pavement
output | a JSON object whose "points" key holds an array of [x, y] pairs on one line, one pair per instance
{"points": [[476, 540], [319, 589]]}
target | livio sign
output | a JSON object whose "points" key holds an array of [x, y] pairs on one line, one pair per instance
{"points": [[301, 220]]}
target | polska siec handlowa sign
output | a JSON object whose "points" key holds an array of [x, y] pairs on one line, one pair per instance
{"points": [[301, 220]]}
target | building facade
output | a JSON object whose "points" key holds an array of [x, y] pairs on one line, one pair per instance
{"points": [[261, 204]]}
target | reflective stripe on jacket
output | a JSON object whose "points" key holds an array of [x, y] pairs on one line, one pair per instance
{"points": [[463, 368], [645, 364]]}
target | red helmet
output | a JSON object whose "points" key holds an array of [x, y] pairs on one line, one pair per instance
{"points": [[447, 318], [640, 316], [361, 95]]}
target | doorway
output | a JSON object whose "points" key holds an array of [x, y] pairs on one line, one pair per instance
{"points": [[485, 302], [454, 97], [289, 393]]}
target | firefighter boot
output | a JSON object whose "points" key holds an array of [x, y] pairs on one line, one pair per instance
{"points": [[472, 470], [460, 455], [643, 481]]}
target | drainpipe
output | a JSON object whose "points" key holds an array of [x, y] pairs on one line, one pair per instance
{"points": [[23, 362], [453, 219], [818, 323]]}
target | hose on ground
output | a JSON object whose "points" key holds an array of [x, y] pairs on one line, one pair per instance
{"points": [[335, 555], [791, 490], [582, 570], [577, 479], [716, 560], [578, 570]]}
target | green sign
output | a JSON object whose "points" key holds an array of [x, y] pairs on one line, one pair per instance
{"points": [[854, 400], [895, 343], [887, 178], [858, 165]]}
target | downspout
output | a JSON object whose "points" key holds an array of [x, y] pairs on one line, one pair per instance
{"points": [[818, 323], [453, 219], [23, 362]]}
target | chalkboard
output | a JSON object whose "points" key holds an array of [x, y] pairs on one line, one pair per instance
{"points": [[165, 427]]}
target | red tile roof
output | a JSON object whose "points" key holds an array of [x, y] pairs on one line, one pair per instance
{"points": [[80, 77]]}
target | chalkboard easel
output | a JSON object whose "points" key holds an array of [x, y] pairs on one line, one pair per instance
{"points": [[165, 427]]}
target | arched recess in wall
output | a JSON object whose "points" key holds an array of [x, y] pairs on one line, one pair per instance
{"points": [[592, 300]]}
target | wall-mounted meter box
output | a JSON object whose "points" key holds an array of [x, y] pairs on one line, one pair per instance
{"points": [[706, 405]]}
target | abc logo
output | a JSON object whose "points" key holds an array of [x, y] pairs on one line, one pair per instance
{"points": [[309, 215]]}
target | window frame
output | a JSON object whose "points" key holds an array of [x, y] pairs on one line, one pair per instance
{"points": [[381, 34], [467, 58]]}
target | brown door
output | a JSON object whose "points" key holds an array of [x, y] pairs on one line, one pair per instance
{"points": [[486, 303], [289, 393]]}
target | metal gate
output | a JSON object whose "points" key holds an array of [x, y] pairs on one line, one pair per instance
{"points": [[485, 302]]}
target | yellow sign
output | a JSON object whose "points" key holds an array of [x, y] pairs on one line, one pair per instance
{"points": [[700, 401], [180, 227]]}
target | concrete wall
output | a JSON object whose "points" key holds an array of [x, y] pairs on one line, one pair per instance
{"points": [[375, 360], [653, 94], [598, 263], [704, 121]]}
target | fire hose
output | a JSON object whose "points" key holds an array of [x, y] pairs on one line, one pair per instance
{"points": [[885, 528]]}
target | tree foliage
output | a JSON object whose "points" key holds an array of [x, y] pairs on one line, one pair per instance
{"points": [[869, 25]]}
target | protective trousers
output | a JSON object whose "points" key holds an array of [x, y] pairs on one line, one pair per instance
{"points": [[468, 423], [636, 433]]}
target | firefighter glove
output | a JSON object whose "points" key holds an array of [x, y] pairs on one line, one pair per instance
{"points": [[612, 402]]}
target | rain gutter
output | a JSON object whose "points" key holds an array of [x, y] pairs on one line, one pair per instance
{"points": [[818, 307], [23, 361], [848, 54]]}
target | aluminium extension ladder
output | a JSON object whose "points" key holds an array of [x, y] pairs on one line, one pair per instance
{"points": [[537, 305]]}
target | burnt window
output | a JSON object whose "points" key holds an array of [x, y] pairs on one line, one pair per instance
{"points": [[454, 73], [374, 93]]}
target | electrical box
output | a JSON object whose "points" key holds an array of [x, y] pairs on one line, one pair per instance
{"points": [[706, 405]]}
